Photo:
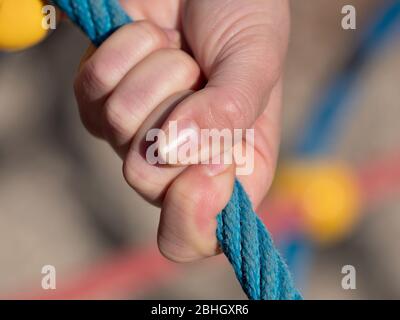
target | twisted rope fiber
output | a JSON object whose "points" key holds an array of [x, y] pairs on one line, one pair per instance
{"points": [[242, 236]]}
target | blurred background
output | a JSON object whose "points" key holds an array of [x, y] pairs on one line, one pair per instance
{"points": [[64, 202]]}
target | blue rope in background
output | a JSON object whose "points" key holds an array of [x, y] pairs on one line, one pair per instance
{"points": [[331, 111], [259, 267], [318, 133]]}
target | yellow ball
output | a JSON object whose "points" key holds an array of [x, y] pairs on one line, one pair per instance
{"points": [[328, 196], [20, 24]]}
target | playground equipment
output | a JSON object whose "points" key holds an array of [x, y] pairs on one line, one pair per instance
{"points": [[21, 24]]}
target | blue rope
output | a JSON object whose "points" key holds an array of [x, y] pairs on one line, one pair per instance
{"points": [[243, 238], [318, 134], [97, 18], [330, 112]]}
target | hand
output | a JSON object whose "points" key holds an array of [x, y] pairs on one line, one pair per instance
{"points": [[153, 71]]}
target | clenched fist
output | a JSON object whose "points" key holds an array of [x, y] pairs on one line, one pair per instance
{"points": [[202, 64]]}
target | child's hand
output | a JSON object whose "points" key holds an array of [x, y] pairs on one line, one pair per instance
{"points": [[140, 79]]}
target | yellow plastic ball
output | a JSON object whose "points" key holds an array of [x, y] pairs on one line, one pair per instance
{"points": [[20, 24], [328, 196]]}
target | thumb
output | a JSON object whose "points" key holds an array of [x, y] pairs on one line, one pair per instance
{"points": [[241, 59]]}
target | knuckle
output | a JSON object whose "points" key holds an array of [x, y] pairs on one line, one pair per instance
{"points": [[152, 34], [234, 110], [92, 77]]}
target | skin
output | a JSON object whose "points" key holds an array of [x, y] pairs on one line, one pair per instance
{"points": [[214, 64]]}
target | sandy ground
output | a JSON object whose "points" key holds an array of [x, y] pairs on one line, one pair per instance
{"points": [[63, 200]]}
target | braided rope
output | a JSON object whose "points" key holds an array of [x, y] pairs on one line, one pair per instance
{"points": [[97, 18], [243, 238]]}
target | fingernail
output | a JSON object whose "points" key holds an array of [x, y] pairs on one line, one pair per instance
{"points": [[173, 36], [181, 143]]}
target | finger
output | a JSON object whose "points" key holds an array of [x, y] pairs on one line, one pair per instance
{"points": [[104, 68], [187, 229], [142, 170], [147, 85]]}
